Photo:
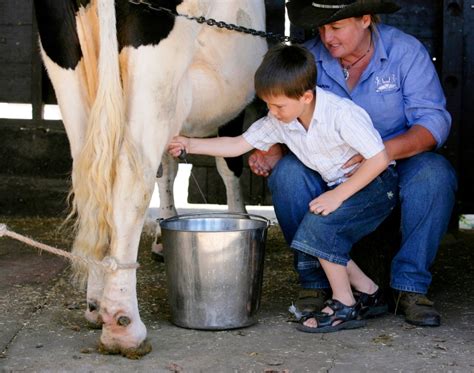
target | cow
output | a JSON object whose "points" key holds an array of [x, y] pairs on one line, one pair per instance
{"points": [[127, 79]]}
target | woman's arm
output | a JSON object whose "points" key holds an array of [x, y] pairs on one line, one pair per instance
{"points": [[368, 171], [216, 146], [416, 140]]}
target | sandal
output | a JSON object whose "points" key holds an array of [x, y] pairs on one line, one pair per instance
{"points": [[371, 305], [348, 315]]}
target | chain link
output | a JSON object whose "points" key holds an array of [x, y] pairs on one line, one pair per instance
{"points": [[219, 24]]}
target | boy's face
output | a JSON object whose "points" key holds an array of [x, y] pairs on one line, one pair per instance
{"points": [[286, 109]]}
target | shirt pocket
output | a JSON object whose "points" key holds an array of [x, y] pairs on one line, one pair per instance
{"points": [[389, 107]]}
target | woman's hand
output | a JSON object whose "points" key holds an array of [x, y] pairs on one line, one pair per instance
{"points": [[356, 160], [177, 145], [261, 163], [326, 203]]}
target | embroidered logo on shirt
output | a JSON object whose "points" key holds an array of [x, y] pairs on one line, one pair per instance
{"points": [[386, 83], [323, 86]]}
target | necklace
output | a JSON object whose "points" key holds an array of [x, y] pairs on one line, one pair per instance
{"points": [[345, 69]]}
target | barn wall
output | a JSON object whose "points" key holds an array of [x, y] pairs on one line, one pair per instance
{"points": [[38, 149], [16, 42]]}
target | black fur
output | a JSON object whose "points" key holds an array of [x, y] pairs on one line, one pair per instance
{"points": [[233, 128], [136, 25], [57, 29]]}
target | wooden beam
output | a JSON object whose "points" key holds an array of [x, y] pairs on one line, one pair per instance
{"points": [[452, 73]]}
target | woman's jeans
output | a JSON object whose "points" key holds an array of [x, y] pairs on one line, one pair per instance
{"points": [[331, 237], [427, 185]]}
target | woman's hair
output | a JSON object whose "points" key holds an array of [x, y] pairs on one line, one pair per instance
{"points": [[288, 70], [374, 19]]}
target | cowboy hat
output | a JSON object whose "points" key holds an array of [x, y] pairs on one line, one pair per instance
{"points": [[309, 14]]}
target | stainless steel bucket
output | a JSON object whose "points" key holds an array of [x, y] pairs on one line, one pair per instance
{"points": [[214, 268]]}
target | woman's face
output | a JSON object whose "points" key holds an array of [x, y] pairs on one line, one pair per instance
{"points": [[346, 37]]}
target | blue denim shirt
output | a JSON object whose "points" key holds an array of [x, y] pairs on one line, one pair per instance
{"points": [[399, 87]]}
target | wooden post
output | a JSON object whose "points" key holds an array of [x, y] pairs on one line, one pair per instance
{"points": [[465, 99], [36, 74]]}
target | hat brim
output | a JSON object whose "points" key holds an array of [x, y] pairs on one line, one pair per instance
{"points": [[310, 17]]}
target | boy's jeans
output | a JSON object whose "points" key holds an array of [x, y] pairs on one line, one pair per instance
{"points": [[331, 237], [427, 184]]}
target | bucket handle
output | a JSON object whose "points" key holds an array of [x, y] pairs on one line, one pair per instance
{"points": [[218, 214]]}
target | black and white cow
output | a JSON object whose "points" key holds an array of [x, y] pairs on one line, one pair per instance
{"points": [[127, 80]]}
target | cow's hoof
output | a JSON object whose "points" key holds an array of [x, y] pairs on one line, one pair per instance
{"points": [[94, 324], [94, 320], [157, 252], [129, 353]]}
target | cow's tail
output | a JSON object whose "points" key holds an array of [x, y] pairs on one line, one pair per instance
{"points": [[94, 171]]}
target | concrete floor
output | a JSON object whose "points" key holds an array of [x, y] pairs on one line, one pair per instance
{"points": [[42, 328]]}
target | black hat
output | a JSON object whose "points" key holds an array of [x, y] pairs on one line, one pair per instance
{"points": [[310, 14]]}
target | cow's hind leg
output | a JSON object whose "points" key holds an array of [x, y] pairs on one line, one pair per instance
{"points": [[123, 331], [73, 83], [95, 289], [154, 116]]}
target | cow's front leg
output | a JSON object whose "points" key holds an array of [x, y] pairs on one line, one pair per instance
{"points": [[235, 199], [165, 182]]}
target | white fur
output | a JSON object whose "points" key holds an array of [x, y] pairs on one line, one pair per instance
{"points": [[195, 80]]}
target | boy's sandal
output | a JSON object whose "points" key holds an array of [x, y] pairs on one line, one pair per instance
{"points": [[371, 305], [347, 315]]}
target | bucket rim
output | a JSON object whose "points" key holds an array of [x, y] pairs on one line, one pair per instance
{"points": [[233, 215]]}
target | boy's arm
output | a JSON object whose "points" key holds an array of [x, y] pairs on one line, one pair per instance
{"points": [[368, 171], [216, 146]]}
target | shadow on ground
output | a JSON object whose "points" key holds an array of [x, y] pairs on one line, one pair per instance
{"points": [[42, 326]]}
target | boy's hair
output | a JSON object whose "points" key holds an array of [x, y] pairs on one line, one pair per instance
{"points": [[288, 70]]}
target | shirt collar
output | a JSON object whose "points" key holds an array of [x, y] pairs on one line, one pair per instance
{"points": [[380, 52], [320, 104]]}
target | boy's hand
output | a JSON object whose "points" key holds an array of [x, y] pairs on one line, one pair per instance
{"points": [[325, 203], [261, 163], [177, 145]]}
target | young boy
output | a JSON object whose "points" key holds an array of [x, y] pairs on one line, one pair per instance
{"points": [[324, 131]]}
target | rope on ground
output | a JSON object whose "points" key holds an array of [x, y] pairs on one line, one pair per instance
{"points": [[109, 263]]}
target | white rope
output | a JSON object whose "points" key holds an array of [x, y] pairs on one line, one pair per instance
{"points": [[109, 263]]}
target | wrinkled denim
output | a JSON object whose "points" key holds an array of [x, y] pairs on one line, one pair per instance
{"points": [[427, 186], [331, 237]]}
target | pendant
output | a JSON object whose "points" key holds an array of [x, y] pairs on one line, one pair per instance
{"points": [[345, 72]]}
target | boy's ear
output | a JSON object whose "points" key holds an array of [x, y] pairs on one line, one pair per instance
{"points": [[308, 96]]}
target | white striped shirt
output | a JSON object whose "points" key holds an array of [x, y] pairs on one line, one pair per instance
{"points": [[338, 130]]}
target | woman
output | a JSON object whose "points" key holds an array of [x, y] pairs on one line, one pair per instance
{"points": [[390, 75]]}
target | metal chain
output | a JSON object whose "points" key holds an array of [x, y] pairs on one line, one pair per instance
{"points": [[220, 24]]}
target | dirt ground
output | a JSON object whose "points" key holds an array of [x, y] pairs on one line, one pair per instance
{"points": [[42, 328]]}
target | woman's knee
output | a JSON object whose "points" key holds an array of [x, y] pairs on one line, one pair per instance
{"points": [[288, 165], [427, 175], [291, 176]]}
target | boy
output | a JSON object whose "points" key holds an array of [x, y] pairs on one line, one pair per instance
{"points": [[323, 131]]}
